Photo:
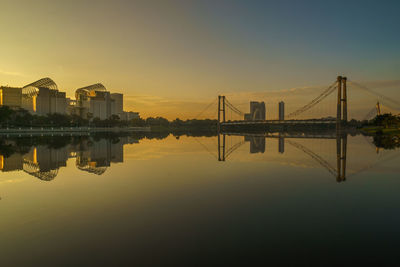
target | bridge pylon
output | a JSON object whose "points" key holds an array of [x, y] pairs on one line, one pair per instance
{"points": [[221, 109], [341, 115], [339, 101], [344, 99]]}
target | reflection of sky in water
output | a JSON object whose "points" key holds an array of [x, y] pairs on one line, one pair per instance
{"points": [[171, 201]]}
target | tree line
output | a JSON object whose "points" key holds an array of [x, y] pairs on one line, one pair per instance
{"points": [[386, 120], [13, 118]]}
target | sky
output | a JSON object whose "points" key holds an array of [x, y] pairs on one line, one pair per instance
{"points": [[172, 58]]}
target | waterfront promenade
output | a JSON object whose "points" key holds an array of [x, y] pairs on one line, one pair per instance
{"points": [[67, 131]]}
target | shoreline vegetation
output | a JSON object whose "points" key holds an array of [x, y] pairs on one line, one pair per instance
{"points": [[23, 143], [385, 131], [382, 124], [20, 121], [21, 126]]}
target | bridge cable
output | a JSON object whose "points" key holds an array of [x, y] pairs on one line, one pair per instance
{"points": [[206, 148], [316, 157], [384, 159], [370, 114], [372, 92], [205, 109], [233, 148], [233, 108], [315, 101]]}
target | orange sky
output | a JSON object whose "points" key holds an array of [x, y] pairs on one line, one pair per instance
{"points": [[172, 58]]}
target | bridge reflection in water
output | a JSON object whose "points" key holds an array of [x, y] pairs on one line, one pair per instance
{"points": [[257, 145], [330, 149]]}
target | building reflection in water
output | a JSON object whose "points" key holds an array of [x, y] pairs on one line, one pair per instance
{"points": [[257, 145], [44, 162], [95, 155]]}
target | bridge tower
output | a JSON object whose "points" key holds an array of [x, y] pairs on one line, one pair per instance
{"points": [[339, 101], [221, 109], [341, 115], [344, 99]]}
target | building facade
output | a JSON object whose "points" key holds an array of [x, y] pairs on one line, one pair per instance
{"points": [[257, 111], [93, 101], [50, 101], [41, 97], [10, 96], [117, 104]]}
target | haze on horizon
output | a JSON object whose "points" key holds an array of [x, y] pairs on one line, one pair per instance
{"points": [[171, 58]]}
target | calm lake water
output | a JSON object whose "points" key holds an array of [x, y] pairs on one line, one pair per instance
{"points": [[167, 201]]}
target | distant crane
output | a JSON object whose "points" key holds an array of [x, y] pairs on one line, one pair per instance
{"points": [[371, 113], [378, 108]]}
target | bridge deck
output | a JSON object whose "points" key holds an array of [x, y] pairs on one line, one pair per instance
{"points": [[279, 122], [285, 135]]}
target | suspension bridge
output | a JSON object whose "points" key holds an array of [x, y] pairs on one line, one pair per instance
{"points": [[309, 115], [293, 118], [331, 133]]}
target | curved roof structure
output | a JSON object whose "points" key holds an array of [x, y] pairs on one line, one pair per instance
{"points": [[84, 164], [45, 176], [94, 170], [44, 83], [32, 89], [90, 90], [94, 87], [33, 169]]}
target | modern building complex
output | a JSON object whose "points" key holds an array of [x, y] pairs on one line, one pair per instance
{"points": [[257, 111], [281, 108], [93, 101], [43, 97]]}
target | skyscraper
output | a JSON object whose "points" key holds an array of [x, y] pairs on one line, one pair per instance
{"points": [[257, 111], [281, 111]]}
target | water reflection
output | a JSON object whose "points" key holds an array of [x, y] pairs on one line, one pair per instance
{"points": [[337, 167], [171, 198], [44, 156], [43, 161]]}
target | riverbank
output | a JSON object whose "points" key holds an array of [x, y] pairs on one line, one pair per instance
{"points": [[373, 130], [40, 131]]}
